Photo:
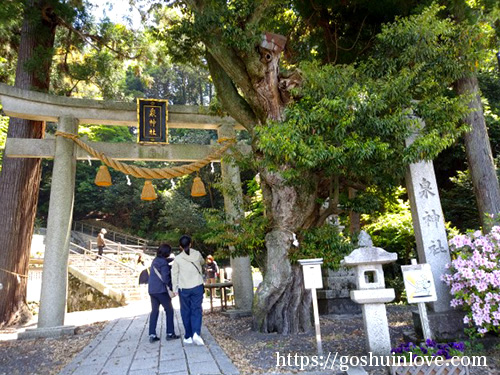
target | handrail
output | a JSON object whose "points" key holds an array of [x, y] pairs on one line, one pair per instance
{"points": [[94, 231], [121, 248], [106, 259]]}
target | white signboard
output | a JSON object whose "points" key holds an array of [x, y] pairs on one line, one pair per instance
{"points": [[312, 276], [419, 283], [313, 280]]}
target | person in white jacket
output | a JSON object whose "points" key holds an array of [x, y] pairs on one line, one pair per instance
{"points": [[187, 280]]}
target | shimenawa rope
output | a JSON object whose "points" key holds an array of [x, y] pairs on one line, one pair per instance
{"points": [[151, 173]]}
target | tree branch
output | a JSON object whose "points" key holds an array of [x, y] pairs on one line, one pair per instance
{"points": [[230, 99], [260, 9], [333, 202], [353, 184], [93, 40]]}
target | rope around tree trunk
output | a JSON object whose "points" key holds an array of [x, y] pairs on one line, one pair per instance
{"points": [[151, 173]]}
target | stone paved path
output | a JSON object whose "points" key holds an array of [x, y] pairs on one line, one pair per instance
{"points": [[123, 348]]}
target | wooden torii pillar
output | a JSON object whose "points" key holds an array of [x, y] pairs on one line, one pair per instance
{"points": [[68, 113]]}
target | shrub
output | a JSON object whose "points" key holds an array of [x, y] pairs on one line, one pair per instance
{"points": [[325, 242], [474, 279]]}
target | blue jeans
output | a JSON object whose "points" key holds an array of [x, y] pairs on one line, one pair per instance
{"points": [[163, 299], [191, 310]]}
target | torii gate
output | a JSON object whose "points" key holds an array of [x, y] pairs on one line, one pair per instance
{"points": [[69, 113]]}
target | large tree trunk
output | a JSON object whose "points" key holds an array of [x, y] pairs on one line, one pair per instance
{"points": [[354, 217], [281, 303], [479, 156], [253, 92], [20, 178]]}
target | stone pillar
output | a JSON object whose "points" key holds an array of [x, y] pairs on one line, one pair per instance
{"points": [[432, 248], [55, 268], [378, 339], [233, 204], [428, 223]]}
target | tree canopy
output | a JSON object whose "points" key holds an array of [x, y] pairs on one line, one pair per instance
{"points": [[328, 92]]}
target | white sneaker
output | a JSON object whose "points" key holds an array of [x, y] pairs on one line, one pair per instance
{"points": [[198, 340], [189, 340]]}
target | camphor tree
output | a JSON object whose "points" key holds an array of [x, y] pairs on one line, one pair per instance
{"points": [[321, 124]]}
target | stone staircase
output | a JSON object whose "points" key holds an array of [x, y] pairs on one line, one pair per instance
{"points": [[115, 275]]}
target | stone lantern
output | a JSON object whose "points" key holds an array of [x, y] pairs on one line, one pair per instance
{"points": [[371, 292]]}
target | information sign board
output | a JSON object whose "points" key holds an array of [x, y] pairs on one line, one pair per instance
{"points": [[419, 283]]}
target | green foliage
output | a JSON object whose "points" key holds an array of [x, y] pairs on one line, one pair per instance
{"points": [[9, 39], [91, 62], [370, 200], [490, 89], [325, 242], [180, 215], [353, 120], [242, 239], [180, 84], [393, 231], [459, 202], [225, 23], [352, 22], [247, 237], [101, 133]]}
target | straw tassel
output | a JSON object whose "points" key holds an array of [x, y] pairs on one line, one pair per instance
{"points": [[103, 178], [148, 191], [198, 188]]}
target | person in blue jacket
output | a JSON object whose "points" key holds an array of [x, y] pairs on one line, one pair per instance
{"points": [[159, 278]]}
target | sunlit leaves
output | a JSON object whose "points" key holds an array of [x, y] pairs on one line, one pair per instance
{"points": [[247, 237], [353, 120], [113, 134], [325, 242]]}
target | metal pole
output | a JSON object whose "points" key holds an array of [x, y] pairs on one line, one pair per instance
{"points": [[426, 329], [316, 322], [424, 320]]}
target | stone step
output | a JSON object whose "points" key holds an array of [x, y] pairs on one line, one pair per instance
{"points": [[111, 275], [107, 273]]}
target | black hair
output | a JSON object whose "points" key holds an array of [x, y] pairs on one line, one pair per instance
{"points": [[164, 250], [184, 242]]}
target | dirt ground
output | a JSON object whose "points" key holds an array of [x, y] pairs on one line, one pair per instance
{"points": [[44, 356], [255, 353]]}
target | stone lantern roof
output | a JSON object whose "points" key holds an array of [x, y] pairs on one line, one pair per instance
{"points": [[368, 254]]}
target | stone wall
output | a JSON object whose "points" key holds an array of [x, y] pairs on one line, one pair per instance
{"points": [[334, 298], [82, 297]]}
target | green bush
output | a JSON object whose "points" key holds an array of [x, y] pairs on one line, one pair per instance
{"points": [[393, 231], [325, 242]]}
